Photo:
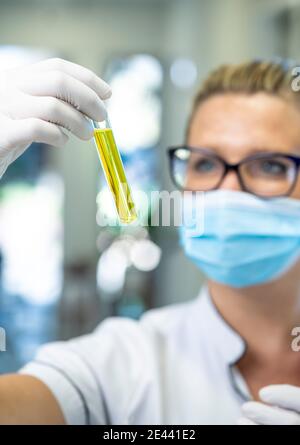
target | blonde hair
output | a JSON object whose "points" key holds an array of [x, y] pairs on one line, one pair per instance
{"points": [[271, 77]]}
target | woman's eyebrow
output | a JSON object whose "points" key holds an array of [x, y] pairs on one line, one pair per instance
{"points": [[219, 151], [282, 150]]}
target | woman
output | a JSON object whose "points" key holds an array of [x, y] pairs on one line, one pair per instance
{"points": [[203, 361]]}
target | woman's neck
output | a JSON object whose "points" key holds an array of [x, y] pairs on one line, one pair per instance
{"points": [[263, 315]]}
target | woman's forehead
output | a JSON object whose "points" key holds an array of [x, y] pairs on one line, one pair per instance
{"points": [[246, 121]]}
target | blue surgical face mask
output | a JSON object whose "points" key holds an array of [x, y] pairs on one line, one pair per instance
{"points": [[243, 240]]}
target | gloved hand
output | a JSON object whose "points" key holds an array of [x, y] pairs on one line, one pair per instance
{"points": [[38, 100], [282, 407]]}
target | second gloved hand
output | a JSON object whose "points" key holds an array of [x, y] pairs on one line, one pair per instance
{"points": [[39, 101], [281, 407]]}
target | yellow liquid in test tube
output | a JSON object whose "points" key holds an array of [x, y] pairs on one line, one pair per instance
{"points": [[115, 175]]}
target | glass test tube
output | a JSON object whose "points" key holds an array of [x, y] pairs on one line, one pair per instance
{"points": [[114, 171]]}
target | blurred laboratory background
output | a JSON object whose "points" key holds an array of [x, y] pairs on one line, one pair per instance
{"points": [[61, 272]]}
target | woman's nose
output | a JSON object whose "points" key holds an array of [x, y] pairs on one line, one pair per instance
{"points": [[231, 182]]}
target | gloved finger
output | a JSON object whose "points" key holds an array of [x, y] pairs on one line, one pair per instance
{"points": [[285, 396], [88, 77], [245, 421], [269, 415], [67, 88], [31, 130], [56, 111], [19, 134]]}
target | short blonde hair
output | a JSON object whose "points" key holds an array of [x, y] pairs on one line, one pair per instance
{"points": [[271, 77]]}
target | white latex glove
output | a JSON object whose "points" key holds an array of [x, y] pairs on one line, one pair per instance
{"points": [[282, 407], [38, 100]]}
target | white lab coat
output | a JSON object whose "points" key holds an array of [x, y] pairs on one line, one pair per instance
{"points": [[173, 366]]}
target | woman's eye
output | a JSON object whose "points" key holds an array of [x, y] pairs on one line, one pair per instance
{"points": [[271, 167], [205, 166]]}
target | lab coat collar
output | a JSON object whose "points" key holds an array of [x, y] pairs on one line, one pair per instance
{"points": [[224, 338]]}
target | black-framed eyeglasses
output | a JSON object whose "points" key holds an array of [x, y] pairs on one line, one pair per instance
{"points": [[265, 174]]}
